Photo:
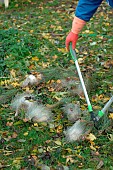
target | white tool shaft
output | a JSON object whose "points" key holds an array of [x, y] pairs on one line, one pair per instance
{"points": [[82, 83], [107, 105]]}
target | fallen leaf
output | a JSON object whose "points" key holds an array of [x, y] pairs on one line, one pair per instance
{"points": [[111, 116], [55, 57], [5, 82], [111, 137], [35, 124], [3, 166], [40, 150], [14, 135], [35, 58], [9, 123], [17, 163], [101, 163], [91, 137], [58, 142], [93, 43], [71, 61], [31, 31], [59, 129], [15, 84], [25, 134], [80, 60], [92, 148], [13, 73], [21, 140], [69, 159], [63, 50], [79, 156], [43, 167], [16, 5], [25, 120], [58, 81], [20, 122]]}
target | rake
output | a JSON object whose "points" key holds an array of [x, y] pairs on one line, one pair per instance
{"points": [[94, 117]]}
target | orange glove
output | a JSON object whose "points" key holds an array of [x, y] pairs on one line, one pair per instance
{"points": [[71, 38], [77, 26]]}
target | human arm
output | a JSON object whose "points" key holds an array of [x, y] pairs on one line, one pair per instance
{"points": [[84, 11]]}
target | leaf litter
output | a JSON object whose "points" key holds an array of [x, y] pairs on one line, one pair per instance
{"points": [[22, 131]]}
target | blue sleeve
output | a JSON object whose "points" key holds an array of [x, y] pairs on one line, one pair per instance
{"points": [[86, 8], [110, 2]]}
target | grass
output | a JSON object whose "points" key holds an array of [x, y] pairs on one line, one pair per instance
{"points": [[32, 37]]}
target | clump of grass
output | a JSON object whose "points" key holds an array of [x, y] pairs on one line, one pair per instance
{"points": [[17, 46]]}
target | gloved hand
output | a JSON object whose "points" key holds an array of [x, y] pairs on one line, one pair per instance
{"points": [[77, 26], [71, 38]]}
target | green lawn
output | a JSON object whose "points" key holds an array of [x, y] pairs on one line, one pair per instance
{"points": [[32, 39]]}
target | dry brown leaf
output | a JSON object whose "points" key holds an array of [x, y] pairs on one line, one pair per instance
{"points": [[57, 142], [25, 134], [35, 58], [13, 73], [9, 123], [91, 137], [14, 135], [111, 116]]}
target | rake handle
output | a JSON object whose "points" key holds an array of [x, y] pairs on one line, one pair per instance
{"points": [[73, 54]]}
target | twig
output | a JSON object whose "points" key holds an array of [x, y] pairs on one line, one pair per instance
{"points": [[4, 77], [54, 34]]}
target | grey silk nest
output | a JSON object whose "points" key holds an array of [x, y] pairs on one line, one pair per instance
{"points": [[33, 111], [72, 111], [75, 131]]}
